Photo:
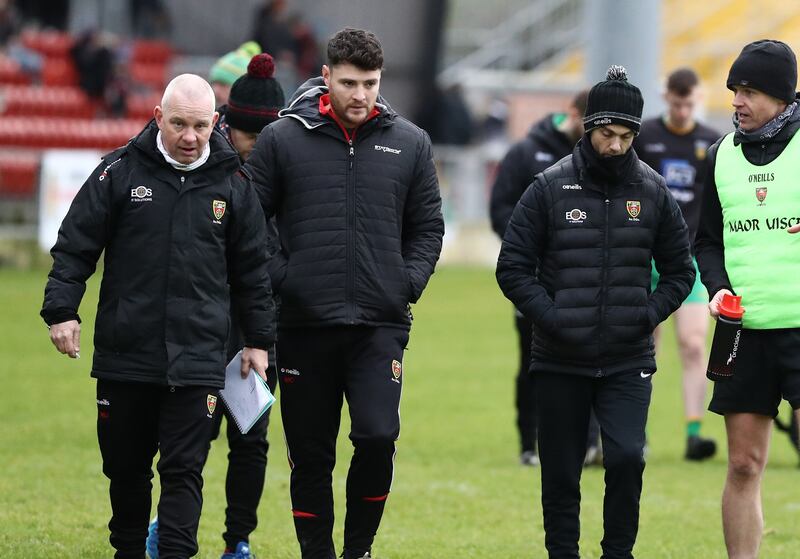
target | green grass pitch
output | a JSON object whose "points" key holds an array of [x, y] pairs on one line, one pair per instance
{"points": [[458, 489]]}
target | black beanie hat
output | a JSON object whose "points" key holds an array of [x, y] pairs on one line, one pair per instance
{"points": [[768, 66], [614, 101], [256, 97]]}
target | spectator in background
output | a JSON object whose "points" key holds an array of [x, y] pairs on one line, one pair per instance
{"points": [[49, 14], [30, 61], [271, 29], [93, 54], [675, 145], [9, 21], [229, 68], [149, 18], [447, 118], [307, 56], [548, 140]]}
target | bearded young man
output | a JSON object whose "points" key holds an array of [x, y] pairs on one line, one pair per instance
{"points": [[575, 260], [353, 188]]}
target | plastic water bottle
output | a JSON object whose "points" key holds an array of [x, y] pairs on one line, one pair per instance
{"points": [[725, 345]]}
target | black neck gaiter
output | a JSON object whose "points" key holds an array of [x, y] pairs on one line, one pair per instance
{"points": [[609, 170]]}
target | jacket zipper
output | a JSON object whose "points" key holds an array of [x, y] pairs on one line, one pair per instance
{"points": [[170, 377], [603, 285], [350, 196]]}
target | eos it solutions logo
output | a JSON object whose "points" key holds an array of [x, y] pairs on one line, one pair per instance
{"points": [[575, 216], [141, 194]]}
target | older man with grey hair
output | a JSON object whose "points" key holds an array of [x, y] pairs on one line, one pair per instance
{"points": [[183, 235]]}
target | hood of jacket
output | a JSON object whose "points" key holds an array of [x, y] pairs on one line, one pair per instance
{"points": [[545, 134]]}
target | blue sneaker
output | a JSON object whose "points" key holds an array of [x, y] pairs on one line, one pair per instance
{"points": [[242, 552], [151, 545]]}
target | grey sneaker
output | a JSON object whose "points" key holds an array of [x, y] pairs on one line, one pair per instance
{"points": [[594, 456], [529, 458]]}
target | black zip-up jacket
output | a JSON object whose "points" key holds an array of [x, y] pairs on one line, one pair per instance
{"points": [[708, 245], [576, 260], [174, 242], [543, 146], [360, 223]]}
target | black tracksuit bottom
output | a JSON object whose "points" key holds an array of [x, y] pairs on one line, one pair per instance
{"points": [[247, 468], [134, 421], [317, 367], [525, 399], [620, 402]]}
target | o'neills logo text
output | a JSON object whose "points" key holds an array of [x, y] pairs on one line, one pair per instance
{"points": [[761, 177]]}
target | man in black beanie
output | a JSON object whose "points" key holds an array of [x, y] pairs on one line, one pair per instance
{"points": [[253, 103], [576, 260], [750, 203]]}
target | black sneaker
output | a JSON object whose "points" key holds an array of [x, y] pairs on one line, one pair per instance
{"points": [[698, 448]]}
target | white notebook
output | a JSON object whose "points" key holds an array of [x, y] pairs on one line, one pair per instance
{"points": [[247, 399]]}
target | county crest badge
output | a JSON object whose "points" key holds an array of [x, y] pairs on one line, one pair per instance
{"points": [[397, 369], [634, 208], [761, 194], [218, 206], [211, 404]]}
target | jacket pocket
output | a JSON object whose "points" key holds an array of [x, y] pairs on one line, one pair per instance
{"points": [[105, 327]]}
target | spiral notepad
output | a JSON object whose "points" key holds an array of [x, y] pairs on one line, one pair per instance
{"points": [[247, 399]]}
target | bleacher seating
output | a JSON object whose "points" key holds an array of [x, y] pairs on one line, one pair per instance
{"points": [[706, 36], [18, 173], [55, 132], [11, 72], [51, 111], [66, 101]]}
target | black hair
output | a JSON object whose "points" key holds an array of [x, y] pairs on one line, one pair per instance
{"points": [[682, 81], [580, 100], [358, 47]]}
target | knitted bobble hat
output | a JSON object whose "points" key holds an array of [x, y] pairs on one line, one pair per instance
{"points": [[256, 97], [614, 101]]}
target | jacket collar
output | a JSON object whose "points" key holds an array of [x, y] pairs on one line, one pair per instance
{"points": [[223, 160], [586, 179], [305, 107]]}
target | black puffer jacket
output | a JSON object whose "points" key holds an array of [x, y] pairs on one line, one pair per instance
{"points": [[576, 260], [544, 145], [173, 243], [360, 223]]}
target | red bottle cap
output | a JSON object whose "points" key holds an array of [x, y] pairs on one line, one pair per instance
{"points": [[731, 306]]}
